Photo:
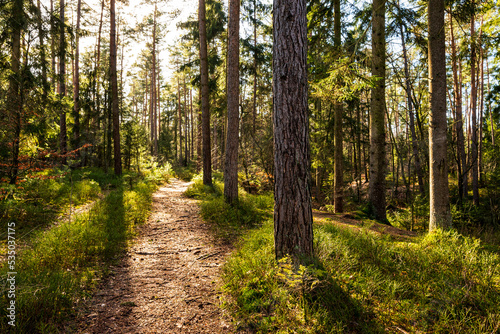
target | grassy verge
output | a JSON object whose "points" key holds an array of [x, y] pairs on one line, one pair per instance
{"points": [[61, 265], [361, 282], [229, 222]]}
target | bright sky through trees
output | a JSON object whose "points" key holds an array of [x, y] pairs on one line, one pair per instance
{"points": [[131, 14]]}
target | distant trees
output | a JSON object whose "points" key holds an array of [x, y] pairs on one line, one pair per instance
{"points": [[293, 234], [14, 97], [376, 122], [63, 136]]}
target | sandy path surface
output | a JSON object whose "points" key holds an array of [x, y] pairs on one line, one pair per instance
{"points": [[167, 281]]}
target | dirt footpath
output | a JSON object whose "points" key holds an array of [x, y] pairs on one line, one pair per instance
{"points": [[167, 282]]}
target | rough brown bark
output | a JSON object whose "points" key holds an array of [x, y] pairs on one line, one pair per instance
{"points": [[376, 192], [233, 99], [439, 194], [114, 91], [338, 141], [205, 107], [293, 234]]}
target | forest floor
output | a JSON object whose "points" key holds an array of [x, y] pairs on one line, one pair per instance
{"points": [[168, 280]]}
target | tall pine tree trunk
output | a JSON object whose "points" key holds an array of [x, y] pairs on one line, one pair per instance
{"points": [[205, 107], [339, 110], [377, 121], [293, 233], [114, 91], [439, 194], [233, 99]]}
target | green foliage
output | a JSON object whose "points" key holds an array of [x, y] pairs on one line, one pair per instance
{"points": [[363, 282], [414, 217], [62, 265], [270, 297], [228, 221], [185, 173]]}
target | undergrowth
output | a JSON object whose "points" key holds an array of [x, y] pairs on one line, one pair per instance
{"points": [[360, 281], [60, 266], [229, 221]]}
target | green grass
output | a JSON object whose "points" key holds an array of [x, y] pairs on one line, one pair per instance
{"points": [[228, 222], [360, 282], [61, 265]]}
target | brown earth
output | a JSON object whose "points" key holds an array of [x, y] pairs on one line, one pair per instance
{"points": [[168, 280]]}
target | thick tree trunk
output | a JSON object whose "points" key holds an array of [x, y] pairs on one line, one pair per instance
{"points": [[233, 99], [63, 138], [114, 92], [439, 194], [338, 140], [293, 234], [377, 121], [205, 107]]}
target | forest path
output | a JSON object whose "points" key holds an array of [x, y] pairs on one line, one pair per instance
{"points": [[167, 281]]}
